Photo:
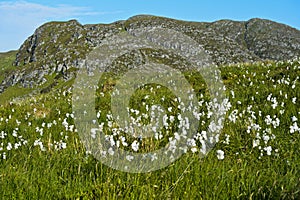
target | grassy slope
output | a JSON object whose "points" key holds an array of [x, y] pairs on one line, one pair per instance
{"points": [[6, 63], [17, 91], [6, 68], [28, 172]]}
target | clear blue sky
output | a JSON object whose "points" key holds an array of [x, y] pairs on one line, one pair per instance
{"points": [[19, 19]]}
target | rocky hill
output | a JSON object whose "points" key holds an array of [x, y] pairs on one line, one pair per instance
{"points": [[57, 49]]}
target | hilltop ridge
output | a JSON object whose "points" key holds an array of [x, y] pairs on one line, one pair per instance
{"points": [[57, 48]]}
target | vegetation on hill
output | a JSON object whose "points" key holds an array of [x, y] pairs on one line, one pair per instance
{"points": [[257, 156]]}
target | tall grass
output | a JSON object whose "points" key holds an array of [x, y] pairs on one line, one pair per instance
{"points": [[42, 157]]}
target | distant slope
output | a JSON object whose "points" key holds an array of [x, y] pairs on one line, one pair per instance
{"points": [[6, 63], [56, 49]]}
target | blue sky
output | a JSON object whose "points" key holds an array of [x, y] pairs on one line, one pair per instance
{"points": [[19, 19]]}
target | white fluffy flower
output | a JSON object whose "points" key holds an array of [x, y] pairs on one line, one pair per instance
{"points": [[129, 158], [268, 149], [220, 154], [294, 128], [135, 145], [294, 119]]}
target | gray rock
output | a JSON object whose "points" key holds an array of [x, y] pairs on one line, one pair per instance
{"points": [[61, 47]]}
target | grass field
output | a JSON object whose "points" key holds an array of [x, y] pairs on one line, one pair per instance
{"points": [[257, 155]]}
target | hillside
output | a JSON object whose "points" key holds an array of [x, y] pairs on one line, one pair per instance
{"points": [[43, 157], [61, 138], [57, 49]]}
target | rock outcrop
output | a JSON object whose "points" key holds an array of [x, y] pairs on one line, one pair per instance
{"points": [[59, 47]]}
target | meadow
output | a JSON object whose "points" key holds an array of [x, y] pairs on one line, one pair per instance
{"points": [[256, 156]]}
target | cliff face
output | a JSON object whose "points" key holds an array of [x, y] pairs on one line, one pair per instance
{"points": [[57, 47]]}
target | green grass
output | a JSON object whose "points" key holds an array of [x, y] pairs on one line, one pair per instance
{"points": [[246, 172], [6, 63], [14, 92]]}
